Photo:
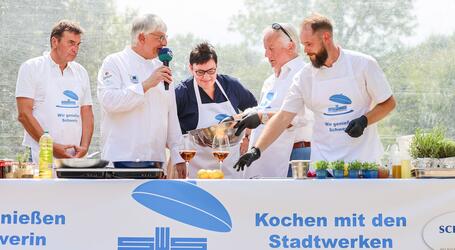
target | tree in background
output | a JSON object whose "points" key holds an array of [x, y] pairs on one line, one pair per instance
{"points": [[372, 27], [423, 79]]}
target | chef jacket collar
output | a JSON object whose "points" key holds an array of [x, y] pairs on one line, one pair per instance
{"points": [[138, 57]]}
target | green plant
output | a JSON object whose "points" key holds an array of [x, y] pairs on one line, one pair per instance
{"points": [[432, 144], [23, 157], [321, 165], [447, 149], [337, 165], [355, 165], [370, 166]]}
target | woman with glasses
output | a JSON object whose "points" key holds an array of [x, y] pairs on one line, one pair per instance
{"points": [[205, 99]]}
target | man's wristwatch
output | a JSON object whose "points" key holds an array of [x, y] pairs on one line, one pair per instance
{"points": [[264, 118]]}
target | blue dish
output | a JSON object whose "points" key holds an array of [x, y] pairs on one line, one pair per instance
{"points": [[138, 164]]}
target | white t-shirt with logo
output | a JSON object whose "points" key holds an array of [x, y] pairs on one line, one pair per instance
{"points": [[368, 74], [32, 81]]}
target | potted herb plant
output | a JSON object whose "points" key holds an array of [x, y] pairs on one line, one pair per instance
{"points": [[354, 169], [338, 168], [370, 170], [321, 169]]}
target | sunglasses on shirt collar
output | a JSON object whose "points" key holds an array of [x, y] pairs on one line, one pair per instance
{"points": [[277, 26]]}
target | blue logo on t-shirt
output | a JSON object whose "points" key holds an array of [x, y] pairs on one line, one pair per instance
{"points": [[341, 105], [220, 117], [71, 102], [267, 100]]}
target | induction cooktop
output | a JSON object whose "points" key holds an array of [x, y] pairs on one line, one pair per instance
{"points": [[110, 173]]}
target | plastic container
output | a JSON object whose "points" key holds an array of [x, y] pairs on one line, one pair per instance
{"points": [[45, 156], [404, 143]]}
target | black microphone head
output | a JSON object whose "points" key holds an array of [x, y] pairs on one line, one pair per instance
{"points": [[165, 55]]}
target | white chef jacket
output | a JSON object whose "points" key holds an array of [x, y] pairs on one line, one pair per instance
{"points": [[275, 159], [57, 98], [136, 125], [372, 85]]}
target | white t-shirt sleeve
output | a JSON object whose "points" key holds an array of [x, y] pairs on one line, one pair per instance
{"points": [[25, 85], [87, 92], [376, 83], [294, 100]]}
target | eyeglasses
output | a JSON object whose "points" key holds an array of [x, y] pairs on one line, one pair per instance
{"points": [[202, 72], [277, 26], [160, 37]]}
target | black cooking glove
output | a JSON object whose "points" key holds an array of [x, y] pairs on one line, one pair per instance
{"points": [[250, 120], [248, 158], [357, 126]]}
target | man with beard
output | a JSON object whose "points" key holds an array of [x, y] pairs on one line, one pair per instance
{"points": [[346, 90]]}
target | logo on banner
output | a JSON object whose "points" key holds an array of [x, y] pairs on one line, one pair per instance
{"points": [[340, 105], [161, 241], [439, 232], [182, 201], [70, 100]]}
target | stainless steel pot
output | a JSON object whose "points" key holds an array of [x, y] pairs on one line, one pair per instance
{"points": [[80, 163], [204, 136]]}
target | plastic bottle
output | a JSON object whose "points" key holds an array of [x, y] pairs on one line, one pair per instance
{"points": [[45, 156], [395, 160], [404, 143]]}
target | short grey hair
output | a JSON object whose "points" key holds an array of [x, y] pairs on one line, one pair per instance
{"points": [[283, 37], [146, 24]]}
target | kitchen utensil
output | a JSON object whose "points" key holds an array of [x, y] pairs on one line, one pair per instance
{"points": [[204, 136], [80, 163]]}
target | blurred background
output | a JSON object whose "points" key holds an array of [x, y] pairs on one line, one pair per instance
{"points": [[413, 40]]}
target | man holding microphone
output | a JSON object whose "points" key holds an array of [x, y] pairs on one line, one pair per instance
{"points": [[139, 116]]}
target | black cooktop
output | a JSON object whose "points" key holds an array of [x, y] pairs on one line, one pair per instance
{"points": [[110, 173]]}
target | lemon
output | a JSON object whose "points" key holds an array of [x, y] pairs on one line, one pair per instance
{"points": [[203, 174], [217, 174]]}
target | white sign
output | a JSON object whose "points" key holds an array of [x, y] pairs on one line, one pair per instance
{"points": [[227, 214]]}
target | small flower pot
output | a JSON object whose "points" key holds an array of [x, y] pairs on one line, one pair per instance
{"points": [[338, 174], [353, 174], [321, 174], [370, 174]]}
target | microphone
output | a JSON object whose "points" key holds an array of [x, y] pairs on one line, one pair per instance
{"points": [[165, 55]]}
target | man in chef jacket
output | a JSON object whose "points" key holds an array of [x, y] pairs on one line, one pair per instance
{"points": [[53, 94], [281, 47], [138, 116], [346, 90]]}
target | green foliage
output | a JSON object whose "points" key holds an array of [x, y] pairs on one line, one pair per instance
{"points": [[359, 25], [321, 165], [337, 165], [370, 166], [23, 156], [432, 144], [355, 165]]}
